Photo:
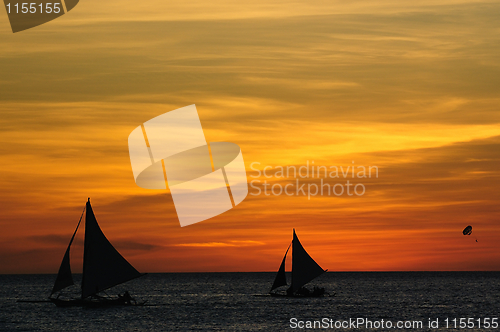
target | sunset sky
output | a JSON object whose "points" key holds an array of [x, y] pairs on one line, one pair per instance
{"points": [[412, 88]]}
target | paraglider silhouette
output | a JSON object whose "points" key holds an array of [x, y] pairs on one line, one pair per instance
{"points": [[468, 231]]}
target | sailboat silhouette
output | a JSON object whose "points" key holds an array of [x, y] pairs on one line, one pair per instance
{"points": [[103, 268], [304, 270]]}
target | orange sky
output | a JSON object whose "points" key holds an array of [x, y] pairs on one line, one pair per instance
{"points": [[411, 89]]}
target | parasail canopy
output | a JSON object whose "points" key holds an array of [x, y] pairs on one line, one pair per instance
{"points": [[467, 230]]}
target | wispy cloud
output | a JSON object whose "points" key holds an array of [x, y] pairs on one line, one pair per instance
{"points": [[246, 243]]}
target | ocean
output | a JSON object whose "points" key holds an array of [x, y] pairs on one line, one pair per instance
{"points": [[234, 302]]}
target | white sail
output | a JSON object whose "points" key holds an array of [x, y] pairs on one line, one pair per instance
{"points": [[103, 266]]}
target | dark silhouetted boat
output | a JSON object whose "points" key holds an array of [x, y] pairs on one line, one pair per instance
{"points": [[103, 268], [304, 270]]}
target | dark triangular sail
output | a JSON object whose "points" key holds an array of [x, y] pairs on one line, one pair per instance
{"points": [[103, 266], [280, 279], [64, 277], [304, 268]]}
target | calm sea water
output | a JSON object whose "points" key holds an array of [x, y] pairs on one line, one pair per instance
{"points": [[227, 302]]}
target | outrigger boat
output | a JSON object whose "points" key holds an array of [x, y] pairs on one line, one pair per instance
{"points": [[304, 270], [103, 268]]}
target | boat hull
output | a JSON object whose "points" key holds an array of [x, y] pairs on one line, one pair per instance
{"points": [[302, 292], [67, 303], [101, 302], [296, 295]]}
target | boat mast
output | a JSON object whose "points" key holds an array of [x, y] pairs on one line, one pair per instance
{"points": [[84, 244]]}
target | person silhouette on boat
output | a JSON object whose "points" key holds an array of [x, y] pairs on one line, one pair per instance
{"points": [[127, 299], [304, 291]]}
